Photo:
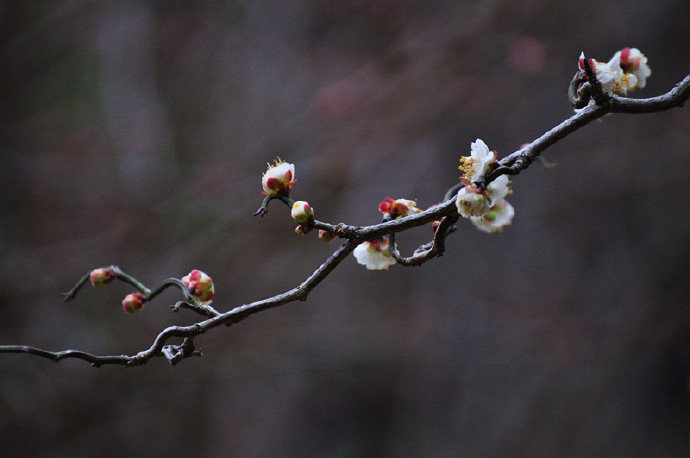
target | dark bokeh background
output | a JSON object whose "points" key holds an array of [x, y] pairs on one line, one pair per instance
{"points": [[135, 133]]}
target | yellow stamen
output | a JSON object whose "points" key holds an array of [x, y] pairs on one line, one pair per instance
{"points": [[466, 166]]}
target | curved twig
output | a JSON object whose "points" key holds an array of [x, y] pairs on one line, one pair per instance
{"points": [[263, 209], [429, 250]]}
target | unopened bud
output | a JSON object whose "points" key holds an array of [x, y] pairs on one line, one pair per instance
{"points": [[133, 303], [302, 212], [200, 286], [303, 229], [100, 277], [326, 236]]}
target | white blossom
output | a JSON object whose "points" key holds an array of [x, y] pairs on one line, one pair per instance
{"points": [[474, 202], [374, 254], [632, 61], [478, 163], [279, 178], [627, 70], [471, 201]]}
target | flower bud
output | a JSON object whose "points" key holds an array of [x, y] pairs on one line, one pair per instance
{"points": [[302, 212], [200, 286], [100, 277], [303, 229], [326, 236], [133, 303], [279, 178], [398, 208]]}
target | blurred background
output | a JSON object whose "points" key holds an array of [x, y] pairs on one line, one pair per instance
{"points": [[135, 133]]}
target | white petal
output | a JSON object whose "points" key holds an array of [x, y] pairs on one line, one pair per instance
{"points": [[484, 158], [372, 259], [498, 188]]}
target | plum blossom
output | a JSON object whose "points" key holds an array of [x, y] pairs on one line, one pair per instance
{"points": [[627, 70], [499, 215], [610, 75], [374, 254], [472, 200], [478, 163], [398, 208], [632, 61], [279, 178]]}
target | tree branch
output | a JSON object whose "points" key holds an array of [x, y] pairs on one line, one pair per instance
{"points": [[446, 212]]}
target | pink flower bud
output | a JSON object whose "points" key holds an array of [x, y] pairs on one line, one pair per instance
{"points": [[302, 212], [133, 303], [326, 236], [200, 286], [100, 277]]}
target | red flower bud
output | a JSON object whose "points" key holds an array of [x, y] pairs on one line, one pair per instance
{"points": [[133, 303], [100, 277]]}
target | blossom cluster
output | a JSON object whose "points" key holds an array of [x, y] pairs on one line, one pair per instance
{"points": [[199, 284], [626, 71], [484, 206]]}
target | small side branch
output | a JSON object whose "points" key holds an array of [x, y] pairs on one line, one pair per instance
{"points": [[263, 209], [521, 159], [429, 250]]}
